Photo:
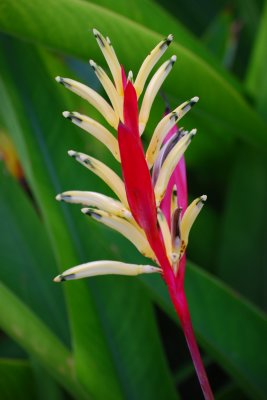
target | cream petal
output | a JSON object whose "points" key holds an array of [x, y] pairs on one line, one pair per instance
{"points": [[104, 172], [92, 97], [111, 58], [97, 130], [166, 235], [189, 218], [163, 128], [151, 91], [149, 63], [169, 165], [115, 99], [97, 200], [123, 226], [104, 267]]}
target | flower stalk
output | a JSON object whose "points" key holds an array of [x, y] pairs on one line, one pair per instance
{"points": [[151, 207]]}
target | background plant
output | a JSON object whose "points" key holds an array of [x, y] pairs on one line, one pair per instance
{"points": [[101, 338]]}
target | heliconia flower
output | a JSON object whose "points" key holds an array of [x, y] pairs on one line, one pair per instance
{"points": [[151, 205]]}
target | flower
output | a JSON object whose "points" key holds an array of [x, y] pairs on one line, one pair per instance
{"points": [[151, 208]]}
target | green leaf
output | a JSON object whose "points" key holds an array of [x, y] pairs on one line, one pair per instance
{"points": [[18, 321], [221, 105], [219, 38], [94, 351], [46, 386], [230, 329], [256, 81], [16, 380], [25, 250], [28, 133], [242, 251]]}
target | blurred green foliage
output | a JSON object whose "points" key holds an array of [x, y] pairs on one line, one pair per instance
{"points": [[115, 337]]}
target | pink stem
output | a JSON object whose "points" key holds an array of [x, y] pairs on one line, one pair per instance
{"points": [[181, 307]]}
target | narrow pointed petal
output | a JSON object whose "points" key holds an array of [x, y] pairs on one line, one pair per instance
{"points": [[124, 227], [181, 184], [150, 62], [92, 97], [164, 127], [151, 91], [105, 268], [169, 165], [104, 172], [97, 130], [97, 200], [115, 98], [165, 231], [111, 59], [189, 218]]}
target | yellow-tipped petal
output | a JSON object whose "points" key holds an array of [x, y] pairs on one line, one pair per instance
{"points": [[151, 91], [92, 97], [97, 130], [115, 99], [169, 165], [97, 200], [189, 218], [163, 224], [164, 126], [149, 63], [104, 267], [111, 58], [104, 172], [126, 228]]}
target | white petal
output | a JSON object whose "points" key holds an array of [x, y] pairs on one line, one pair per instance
{"points": [[151, 91], [189, 218], [104, 172], [149, 63], [92, 97], [123, 226], [98, 200], [115, 99], [164, 127], [164, 227], [105, 268], [97, 130], [111, 58], [169, 165]]}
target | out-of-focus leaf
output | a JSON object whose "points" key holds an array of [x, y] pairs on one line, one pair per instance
{"points": [[27, 131], [230, 329], [17, 320], [220, 39], [16, 380], [46, 386], [26, 258], [194, 14], [242, 251], [221, 105], [256, 78], [230, 392], [95, 351]]}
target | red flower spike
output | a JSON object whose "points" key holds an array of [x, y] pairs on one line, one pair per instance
{"points": [[167, 237]]}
